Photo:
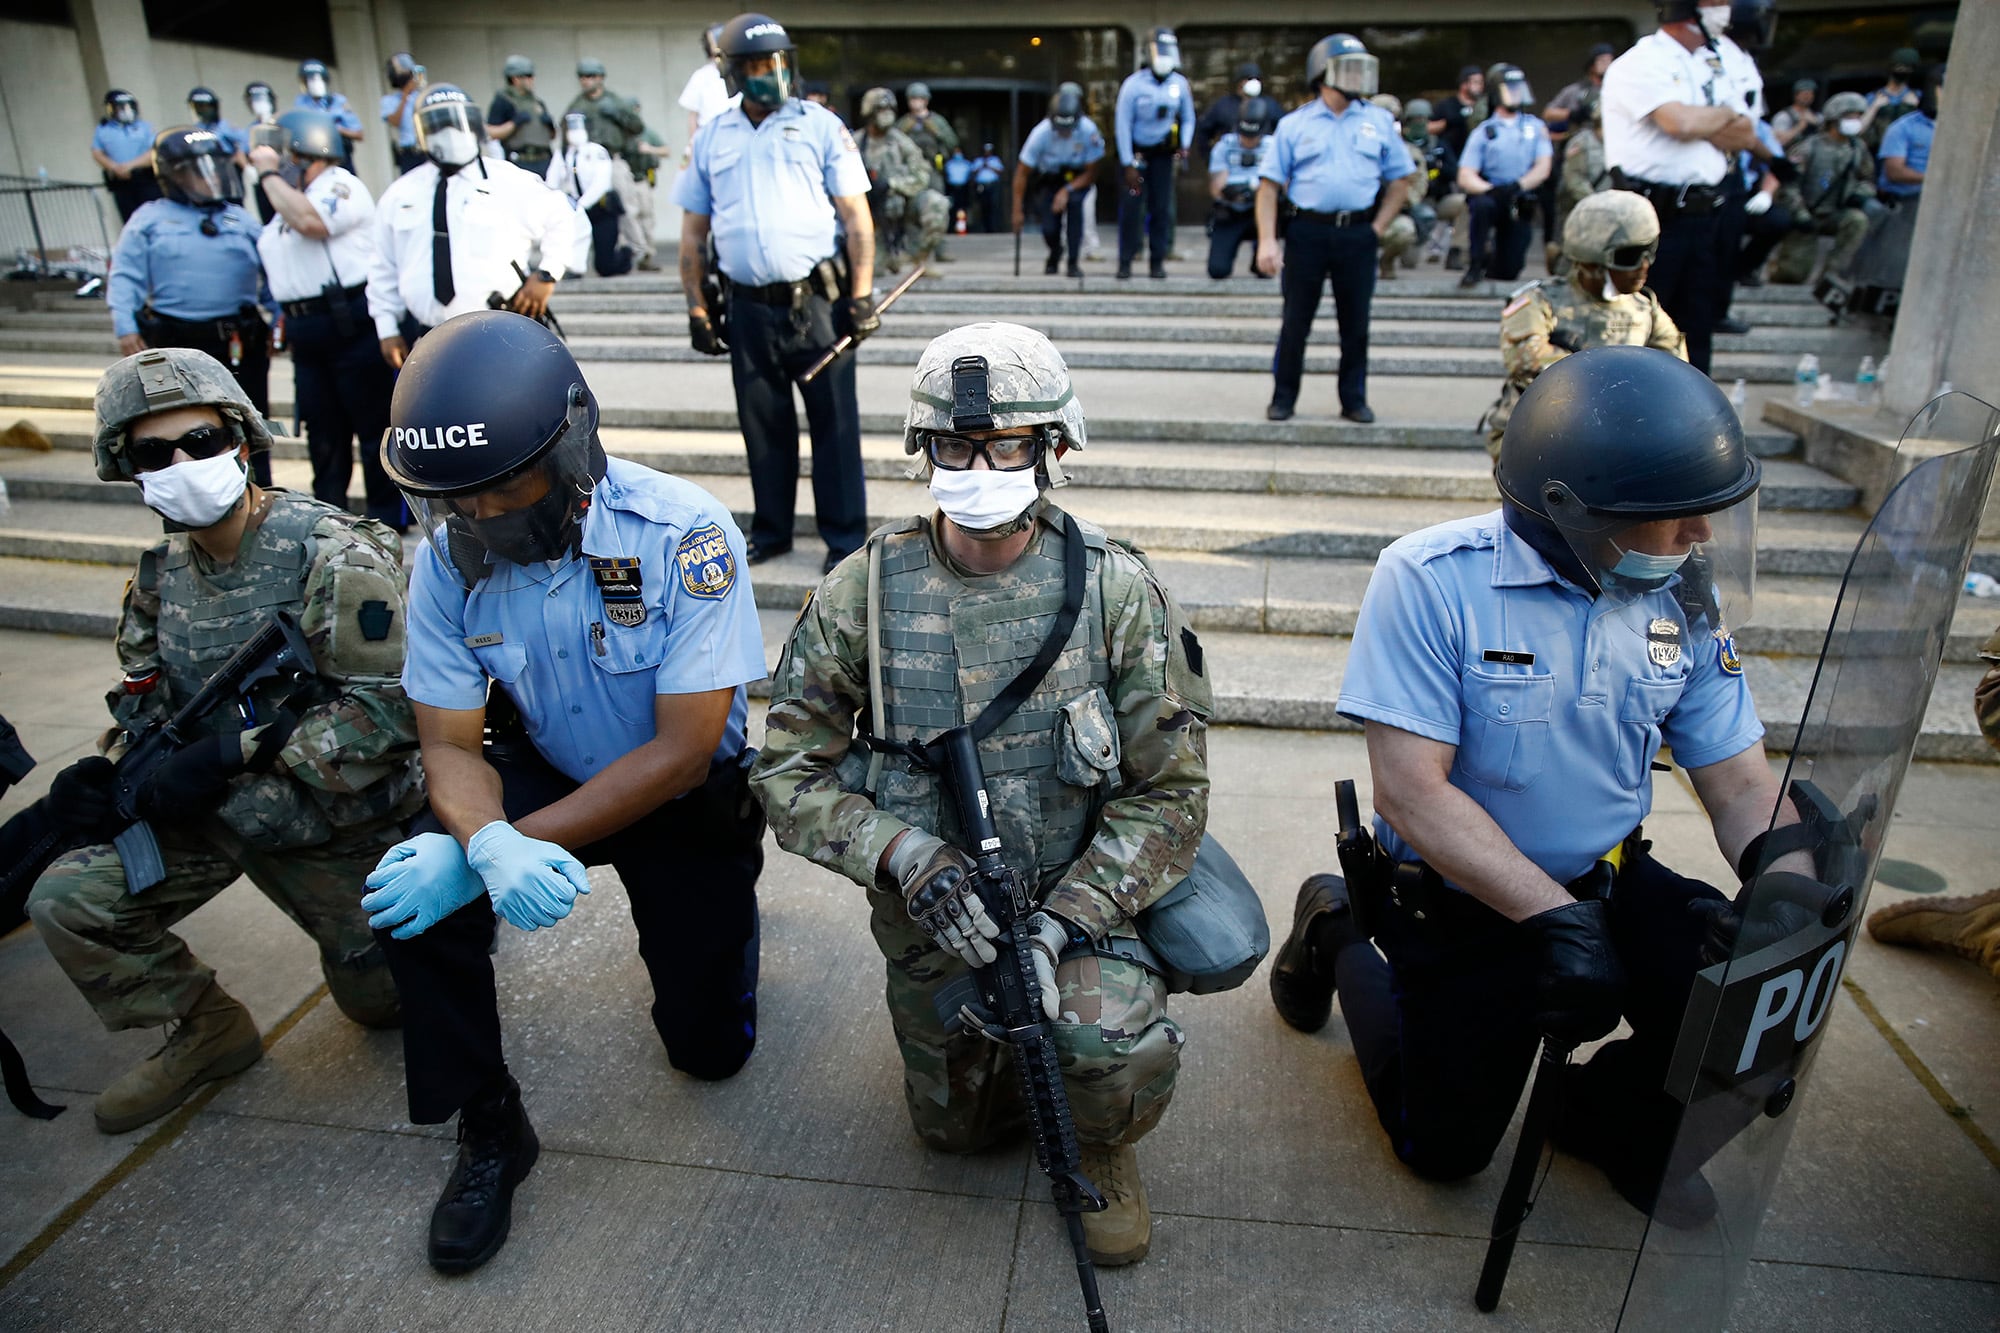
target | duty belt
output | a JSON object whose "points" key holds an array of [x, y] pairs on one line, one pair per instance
{"points": [[219, 328], [530, 155], [816, 283], [1691, 199], [318, 305], [1417, 891], [1347, 219]]}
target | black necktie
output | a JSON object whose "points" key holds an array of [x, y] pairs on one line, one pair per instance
{"points": [[441, 282]]}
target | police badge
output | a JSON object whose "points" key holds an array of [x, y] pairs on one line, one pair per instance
{"points": [[623, 588], [1663, 641]]}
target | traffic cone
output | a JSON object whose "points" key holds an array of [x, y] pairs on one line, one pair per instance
{"points": [[958, 226]]}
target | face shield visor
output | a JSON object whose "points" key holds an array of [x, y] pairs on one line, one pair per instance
{"points": [[205, 110], [272, 136], [448, 134], [766, 78], [1514, 91], [1699, 569], [1163, 54], [205, 180], [1355, 74], [262, 104], [576, 129]]}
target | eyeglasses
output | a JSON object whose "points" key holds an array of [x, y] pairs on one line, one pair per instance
{"points": [[152, 453], [1009, 453]]}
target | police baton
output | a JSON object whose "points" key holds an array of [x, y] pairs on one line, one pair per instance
{"points": [[1017, 252], [1515, 1203], [847, 340]]}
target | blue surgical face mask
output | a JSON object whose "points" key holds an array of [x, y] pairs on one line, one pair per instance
{"points": [[1641, 567]]}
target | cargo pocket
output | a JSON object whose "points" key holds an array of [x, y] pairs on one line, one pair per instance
{"points": [[1505, 739], [1646, 705], [1087, 749]]}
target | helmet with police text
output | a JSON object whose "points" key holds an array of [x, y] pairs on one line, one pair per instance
{"points": [[918, 92], [449, 126], [1845, 104], [491, 404], [1509, 86], [994, 376], [161, 379], [260, 99], [204, 106], [1162, 52], [314, 77], [1752, 23], [876, 101], [758, 59], [312, 134], [399, 69], [1615, 229], [1342, 63], [1388, 102], [517, 67], [1258, 116], [1622, 450], [1066, 107], [121, 106], [193, 167]]}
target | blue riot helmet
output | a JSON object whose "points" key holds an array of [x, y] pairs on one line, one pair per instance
{"points": [[1257, 118], [204, 106], [1066, 108], [1163, 52], [492, 403], [121, 106], [760, 40], [263, 103], [314, 77], [1509, 86], [449, 126], [194, 167], [311, 134], [400, 69], [1343, 64]]}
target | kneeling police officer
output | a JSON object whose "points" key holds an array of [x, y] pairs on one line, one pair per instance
{"points": [[580, 639], [1517, 673]]}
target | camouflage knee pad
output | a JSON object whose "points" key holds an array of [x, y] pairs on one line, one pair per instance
{"points": [[1794, 260], [1398, 238], [1120, 1052]]}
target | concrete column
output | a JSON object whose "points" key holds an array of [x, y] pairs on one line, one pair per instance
{"points": [[117, 52], [358, 57], [1949, 320]]}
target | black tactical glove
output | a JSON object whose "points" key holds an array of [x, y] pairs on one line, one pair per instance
{"points": [[937, 888], [705, 337], [191, 782], [861, 317], [1524, 207], [1781, 904], [1579, 986], [83, 798]]}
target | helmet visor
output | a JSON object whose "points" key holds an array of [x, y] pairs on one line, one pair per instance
{"points": [[1697, 569], [205, 180], [448, 133], [1165, 54], [1356, 74], [1515, 92]]}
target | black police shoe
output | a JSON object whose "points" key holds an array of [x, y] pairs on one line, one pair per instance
{"points": [[756, 554], [1730, 324], [1054, 263], [1124, 273], [1157, 271], [1472, 276], [1073, 271], [1302, 973], [497, 1148], [1277, 412], [1360, 414]]}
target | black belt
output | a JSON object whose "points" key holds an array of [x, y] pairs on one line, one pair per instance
{"points": [[1349, 218], [219, 328], [1690, 199], [785, 293], [531, 154], [318, 305]]}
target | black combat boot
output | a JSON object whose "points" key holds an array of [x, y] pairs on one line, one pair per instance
{"points": [[1302, 973], [497, 1148]]}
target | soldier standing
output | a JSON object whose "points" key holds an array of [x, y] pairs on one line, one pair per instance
{"points": [[935, 139], [615, 122], [304, 805], [1603, 302], [899, 180], [520, 121], [1832, 195], [1100, 774]]}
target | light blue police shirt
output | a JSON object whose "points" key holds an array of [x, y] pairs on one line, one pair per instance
{"points": [[406, 124], [766, 188], [1149, 109], [584, 682], [957, 171], [162, 257], [1243, 166], [1557, 704], [1336, 164], [122, 143], [1503, 150], [333, 104], [988, 169], [1047, 150], [234, 139], [1910, 139]]}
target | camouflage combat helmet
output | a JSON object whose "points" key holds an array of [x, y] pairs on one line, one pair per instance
{"points": [[874, 100], [1419, 106], [1844, 104], [993, 376], [158, 380], [1390, 103], [1612, 229]]}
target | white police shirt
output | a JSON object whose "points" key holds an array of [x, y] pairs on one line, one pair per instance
{"points": [[767, 189], [300, 267], [706, 94], [1656, 71], [658, 603], [1556, 702], [1746, 81], [498, 215], [583, 174]]}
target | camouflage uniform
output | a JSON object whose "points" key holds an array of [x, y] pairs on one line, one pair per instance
{"points": [[1638, 320], [308, 830], [1829, 197], [1399, 238], [935, 141], [897, 167], [1584, 170], [1986, 697]]}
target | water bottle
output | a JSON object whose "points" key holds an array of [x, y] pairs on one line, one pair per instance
{"points": [[1865, 382], [1805, 380], [1739, 398], [6, 505], [41, 176], [1976, 583]]}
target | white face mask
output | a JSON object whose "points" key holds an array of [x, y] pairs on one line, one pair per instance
{"points": [[260, 105], [316, 86], [198, 493], [575, 138], [1714, 20], [452, 147], [977, 498], [1252, 87], [1850, 126], [1165, 63]]}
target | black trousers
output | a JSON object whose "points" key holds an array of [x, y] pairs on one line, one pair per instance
{"points": [[1445, 1029], [252, 368], [992, 207], [1068, 222], [1683, 280], [1761, 235], [141, 187], [610, 258], [1317, 255], [690, 872], [1509, 235], [342, 386], [1227, 234], [1729, 226], [768, 350], [1152, 207]]}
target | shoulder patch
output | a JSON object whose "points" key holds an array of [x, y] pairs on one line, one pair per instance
{"points": [[1732, 665], [705, 563], [374, 617], [148, 577], [1520, 299]]}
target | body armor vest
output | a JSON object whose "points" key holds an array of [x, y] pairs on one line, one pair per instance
{"points": [[949, 647], [533, 134]]}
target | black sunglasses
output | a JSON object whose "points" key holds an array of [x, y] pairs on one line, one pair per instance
{"points": [[1009, 453], [152, 453], [1628, 257]]}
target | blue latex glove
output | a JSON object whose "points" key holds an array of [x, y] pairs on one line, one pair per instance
{"points": [[419, 883], [533, 883]]}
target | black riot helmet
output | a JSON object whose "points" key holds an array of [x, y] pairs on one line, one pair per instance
{"points": [[449, 126], [193, 166], [492, 402], [759, 37], [1752, 23], [1343, 64], [312, 134], [1066, 107], [1258, 117], [121, 106], [1614, 437], [400, 69], [257, 96], [204, 106], [1163, 52]]}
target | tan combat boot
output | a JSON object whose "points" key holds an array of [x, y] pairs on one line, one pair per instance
{"points": [[1122, 1232], [1968, 927], [214, 1039]]}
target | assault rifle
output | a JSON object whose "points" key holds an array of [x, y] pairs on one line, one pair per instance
{"points": [[1009, 1005]]}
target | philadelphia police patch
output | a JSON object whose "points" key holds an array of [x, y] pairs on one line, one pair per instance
{"points": [[706, 566], [1731, 663]]}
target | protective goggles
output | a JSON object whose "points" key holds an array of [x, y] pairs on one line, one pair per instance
{"points": [[1008, 453], [153, 453], [1625, 258]]}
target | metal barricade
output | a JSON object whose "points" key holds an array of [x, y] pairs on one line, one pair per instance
{"points": [[53, 228]]}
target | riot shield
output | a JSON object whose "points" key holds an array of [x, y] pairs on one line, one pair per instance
{"points": [[1755, 1015]]}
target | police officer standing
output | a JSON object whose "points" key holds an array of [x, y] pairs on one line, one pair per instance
{"points": [[185, 271], [1235, 170], [987, 172], [1517, 673], [1342, 163], [1506, 160], [206, 108], [1155, 126], [519, 120], [1105, 794], [1669, 134], [315, 94], [122, 144], [317, 253], [589, 614], [775, 234], [303, 804], [457, 231], [1057, 166], [399, 108], [582, 174]]}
